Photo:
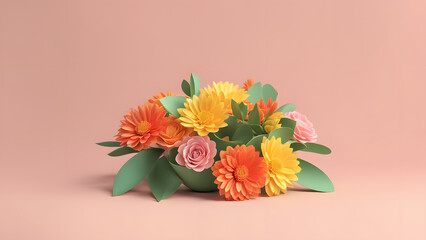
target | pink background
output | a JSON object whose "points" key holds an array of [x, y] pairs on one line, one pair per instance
{"points": [[69, 70]]}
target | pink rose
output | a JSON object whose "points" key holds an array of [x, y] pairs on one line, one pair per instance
{"points": [[304, 130], [196, 153]]}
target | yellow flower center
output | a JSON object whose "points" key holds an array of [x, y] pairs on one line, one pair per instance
{"points": [[241, 173], [143, 127], [205, 117]]}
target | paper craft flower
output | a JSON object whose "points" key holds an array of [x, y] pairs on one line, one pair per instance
{"points": [[142, 127], [173, 133], [156, 99], [226, 92], [205, 114], [273, 122], [248, 84], [240, 173], [264, 108], [196, 153], [304, 130], [183, 149], [282, 166]]}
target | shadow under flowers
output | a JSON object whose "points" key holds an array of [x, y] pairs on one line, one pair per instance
{"points": [[104, 184]]}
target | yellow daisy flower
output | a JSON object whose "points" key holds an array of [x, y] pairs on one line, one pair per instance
{"points": [[282, 165], [273, 122], [226, 91], [205, 114]]}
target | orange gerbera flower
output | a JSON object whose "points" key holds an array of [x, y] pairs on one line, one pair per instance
{"points": [[240, 173], [271, 107], [173, 133], [248, 84], [142, 127], [156, 99]]}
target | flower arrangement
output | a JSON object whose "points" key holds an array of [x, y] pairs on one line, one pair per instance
{"points": [[226, 138]]}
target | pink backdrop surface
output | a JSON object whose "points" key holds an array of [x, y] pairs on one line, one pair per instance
{"points": [[69, 70]]}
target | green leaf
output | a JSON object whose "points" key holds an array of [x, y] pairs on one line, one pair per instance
{"points": [[253, 117], [135, 170], [109, 144], [257, 128], [256, 142], [265, 92], [297, 146], [289, 107], [255, 93], [172, 155], [287, 122], [316, 148], [163, 180], [269, 92], [195, 85], [186, 88], [284, 133], [221, 145], [197, 181], [312, 177], [243, 109], [236, 110], [242, 135], [173, 103], [122, 151], [229, 130]]}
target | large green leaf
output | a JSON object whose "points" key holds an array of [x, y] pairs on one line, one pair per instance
{"points": [[109, 144], [172, 155], [284, 133], [316, 148], [221, 145], [255, 93], [257, 128], [122, 151], [163, 180], [229, 130], [236, 110], [312, 177], [243, 109], [197, 181], [186, 88], [173, 103], [242, 135], [135, 170], [297, 146], [289, 107], [269, 92], [195, 85], [256, 142], [287, 122], [253, 117]]}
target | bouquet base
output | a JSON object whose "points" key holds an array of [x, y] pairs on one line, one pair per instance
{"points": [[196, 181]]}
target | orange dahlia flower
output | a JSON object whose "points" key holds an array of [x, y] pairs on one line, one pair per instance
{"points": [[156, 99], [271, 107], [142, 127], [173, 133], [240, 173], [248, 84]]}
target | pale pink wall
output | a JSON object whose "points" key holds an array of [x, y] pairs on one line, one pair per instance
{"points": [[70, 69]]}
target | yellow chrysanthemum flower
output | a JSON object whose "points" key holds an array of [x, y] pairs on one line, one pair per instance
{"points": [[226, 91], [273, 122], [282, 165], [205, 114]]}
